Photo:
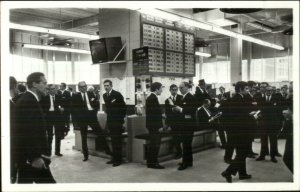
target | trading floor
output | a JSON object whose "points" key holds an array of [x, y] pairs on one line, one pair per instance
{"points": [[207, 167]]}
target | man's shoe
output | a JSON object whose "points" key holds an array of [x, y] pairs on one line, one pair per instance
{"points": [[246, 176], [227, 177], [278, 155], [116, 164], [59, 154], [274, 160], [260, 158], [85, 159], [110, 162], [182, 167], [157, 166]]}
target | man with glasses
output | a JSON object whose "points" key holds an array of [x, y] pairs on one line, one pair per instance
{"points": [[173, 117], [85, 107]]}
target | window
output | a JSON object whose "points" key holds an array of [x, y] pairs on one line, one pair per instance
{"points": [[244, 70], [216, 72]]}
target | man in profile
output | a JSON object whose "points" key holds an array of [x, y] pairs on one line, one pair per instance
{"points": [[116, 111], [201, 93], [31, 138], [154, 125]]}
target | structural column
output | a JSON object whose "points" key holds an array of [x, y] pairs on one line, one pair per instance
{"points": [[236, 57]]}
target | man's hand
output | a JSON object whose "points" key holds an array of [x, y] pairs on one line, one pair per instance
{"points": [[176, 108], [38, 163]]}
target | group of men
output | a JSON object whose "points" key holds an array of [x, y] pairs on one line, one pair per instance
{"points": [[41, 112], [249, 110]]}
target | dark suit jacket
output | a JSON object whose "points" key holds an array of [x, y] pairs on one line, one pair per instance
{"points": [[201, 96], [238, 114], [153, 113], [45, 103], [79, 107], [271, 112], [223, 96], [173, 117], [31, 128], [203, 119], [189, 107], [65, 100], [115, 107]]}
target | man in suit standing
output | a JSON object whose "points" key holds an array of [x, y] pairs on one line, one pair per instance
{"points": [[188, 124], [13, 93], [271, 121], [85, 107], [201, 92], [54, 118], [239, 135], [65, 104], [154, 125], [205, 118], [173, 118], [31, 138], [116, 112]]}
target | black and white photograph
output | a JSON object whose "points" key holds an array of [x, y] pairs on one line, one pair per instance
{"points": [[150, 95]]}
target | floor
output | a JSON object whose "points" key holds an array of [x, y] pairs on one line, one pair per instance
{"points": [[207, 168]]}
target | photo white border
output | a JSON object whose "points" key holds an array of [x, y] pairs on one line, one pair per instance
{"points": [[6, 60]]}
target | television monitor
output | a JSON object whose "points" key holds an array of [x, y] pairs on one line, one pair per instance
{"points": [[106, 49]]}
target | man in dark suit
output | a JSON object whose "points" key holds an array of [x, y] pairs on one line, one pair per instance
{"points": [[154, 125], [65, 104], [13, 164], [173, 117], [188, 124], [271, 121], [205, 119], [115, 109], [55, 119], [238, 134], [85, 106], [21, 91], [201, 92], [31, 138]]}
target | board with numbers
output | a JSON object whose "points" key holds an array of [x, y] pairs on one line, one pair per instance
{"points": [[170, 48]]}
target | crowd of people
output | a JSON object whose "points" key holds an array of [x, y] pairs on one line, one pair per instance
{"points": [[253, 110]]}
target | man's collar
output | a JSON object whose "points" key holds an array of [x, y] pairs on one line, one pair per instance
{"points": [[34, 94], [183, 96], [154, 93]]}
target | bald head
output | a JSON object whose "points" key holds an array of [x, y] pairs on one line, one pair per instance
{"points": [[82, 86]]}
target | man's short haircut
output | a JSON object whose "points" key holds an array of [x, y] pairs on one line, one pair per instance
{"points": [[21, 88], [64, 84], [108, 81], [222, 87], [173, 86], [240, 85], [70, 88], [251, 84], [264, 83], [34, 78], [155, 86], [12, 83], [186, 84], [206, 101], [201, 81]]}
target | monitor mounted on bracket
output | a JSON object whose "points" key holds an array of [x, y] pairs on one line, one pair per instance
{"points": [[107, 50]]}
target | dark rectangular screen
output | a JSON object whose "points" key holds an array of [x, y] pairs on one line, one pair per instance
{"points": [[106, 49]]}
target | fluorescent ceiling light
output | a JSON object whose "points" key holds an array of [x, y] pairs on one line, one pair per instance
{"points": [[52, 31], [159, 13], [202, 54], [52, 48], [206, 26]]}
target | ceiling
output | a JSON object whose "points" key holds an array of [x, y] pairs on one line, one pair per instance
{"points": [[86, 20]]}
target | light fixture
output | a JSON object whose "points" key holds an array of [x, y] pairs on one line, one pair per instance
{"points": [[206, 26], [202, 54], [160, 14], [52, 31], [52, 48]]}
